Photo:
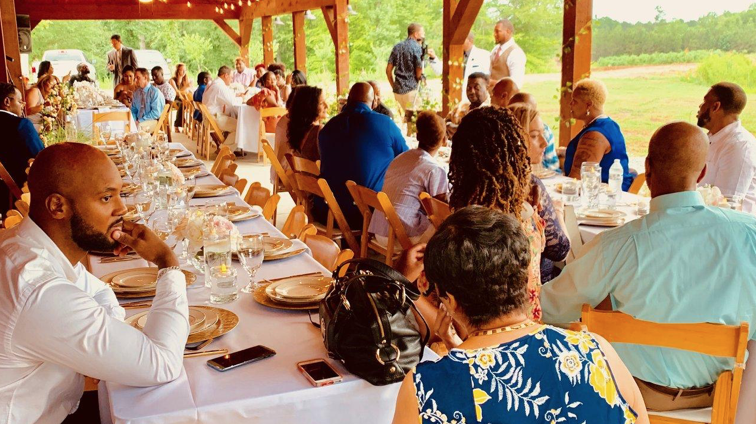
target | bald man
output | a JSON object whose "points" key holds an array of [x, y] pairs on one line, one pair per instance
{"points": [[684, 262], [550, 158], [58, 321], [358, 144], [503, 91]]}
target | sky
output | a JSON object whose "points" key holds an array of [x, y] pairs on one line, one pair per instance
{"points": [[645, 10]]}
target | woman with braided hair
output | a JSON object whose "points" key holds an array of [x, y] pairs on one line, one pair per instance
{"points": [[490, 167]]}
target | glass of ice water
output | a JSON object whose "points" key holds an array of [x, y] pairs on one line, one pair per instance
{"points": [[251, 252], [571, 191], [590, 175]]}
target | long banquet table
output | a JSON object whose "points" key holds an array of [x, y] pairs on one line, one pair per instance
{"points": [[270, 391], [84, 119]]}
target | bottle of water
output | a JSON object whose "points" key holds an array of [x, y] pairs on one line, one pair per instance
{"points": [[616, 176], [70, 128]]}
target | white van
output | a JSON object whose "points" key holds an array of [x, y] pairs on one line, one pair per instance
{"points": [[151, 58]]}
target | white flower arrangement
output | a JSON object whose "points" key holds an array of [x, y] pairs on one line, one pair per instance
{"points": [[87, 95], [237, 88], [713, 196]]}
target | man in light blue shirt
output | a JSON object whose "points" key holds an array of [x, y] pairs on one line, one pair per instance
{"points": [[148, 102], [684, 262]]}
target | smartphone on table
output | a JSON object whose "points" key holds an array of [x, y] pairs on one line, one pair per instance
{"points": [[242, 357], [319, 372]]}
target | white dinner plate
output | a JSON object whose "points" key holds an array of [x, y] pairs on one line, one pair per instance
{"points": [[309, 288]]}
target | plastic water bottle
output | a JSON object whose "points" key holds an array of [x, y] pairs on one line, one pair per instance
{"points": [[616, 176]]}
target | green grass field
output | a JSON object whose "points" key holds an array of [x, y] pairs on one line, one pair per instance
{"points": [[641, 105]]}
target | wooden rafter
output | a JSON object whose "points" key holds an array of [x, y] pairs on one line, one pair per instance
{"points": [[236, 38], [281, 7], [83, 10], [576, 59], [300, 46]]}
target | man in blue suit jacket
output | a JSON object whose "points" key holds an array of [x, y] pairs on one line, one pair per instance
{"points": [[20, 141]]}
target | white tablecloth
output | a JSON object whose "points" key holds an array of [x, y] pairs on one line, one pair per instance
{"points": [[84, 120], [270, 391], [247, 128]]}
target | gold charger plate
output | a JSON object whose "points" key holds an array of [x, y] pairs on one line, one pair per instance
{"points": [[548, 173], [263, 299], [187, 163], [284, 255], [227, 321], [601, 214], [136, 279], [129, 294], [211, 190], [195, 172], [241, 213], [118, 160], [596, 222], [179, 153], [197, 320]]}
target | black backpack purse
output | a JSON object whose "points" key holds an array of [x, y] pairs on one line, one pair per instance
{"points": [[367, 322]]}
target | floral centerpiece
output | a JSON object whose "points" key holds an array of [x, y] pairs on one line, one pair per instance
{"points": [[88, 96], [58, 104], [713, 196], [197, 226], [237, 88]]}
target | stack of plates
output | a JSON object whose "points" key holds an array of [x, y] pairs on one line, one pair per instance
{"points": [[194, 172], [179, 153], [187, 162], [110, 150], [139, 282], [241, 213], [280, 248], [296, 293], [118, 160], [545, 173], [205, 322], [131, 214], [212, 190], [128, 189], [602, 217]]}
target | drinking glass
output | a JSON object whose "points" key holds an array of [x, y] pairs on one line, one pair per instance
{"points": [[216, 208], [217, 247], [163, 227], [590, 175], [735, 202], [643, 207], [571, 191], [251, 252], [223, 287], [105, 133], [143, 204]]}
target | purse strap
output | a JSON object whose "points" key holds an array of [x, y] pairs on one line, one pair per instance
{"points": [[380, 269]]}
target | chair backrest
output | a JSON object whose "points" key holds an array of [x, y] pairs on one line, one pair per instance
{"points": [[307, 230], [162, 120], [221, 156], [327, 252], [22, 206], [719, 340], [280, 171], [228, 177], [267, 112], [111, 116], [296, 221], [320, 188], [8, 180], [11, 221], [257, 195], [299, 164], [365, 199], [436, 210], [573, 231], [637, 183], [209, 119], [223, 164]]}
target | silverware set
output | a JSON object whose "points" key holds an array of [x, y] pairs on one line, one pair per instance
{"points": [[112, 259], [213, 352], [308, 274]]}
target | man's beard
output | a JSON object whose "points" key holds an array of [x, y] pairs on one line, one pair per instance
{"points": [[88, 238], [703, 119]]}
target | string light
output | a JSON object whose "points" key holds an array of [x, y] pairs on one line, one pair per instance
{"points": [[240, 3], [225, 5], [233, 7], [188, 4], [249, 2]]}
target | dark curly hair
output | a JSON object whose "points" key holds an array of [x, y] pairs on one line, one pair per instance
{"points": [[489, 164], [302, 113], [480, 256]]}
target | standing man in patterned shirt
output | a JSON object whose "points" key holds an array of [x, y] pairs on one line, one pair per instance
{"points": [[405, 67]]}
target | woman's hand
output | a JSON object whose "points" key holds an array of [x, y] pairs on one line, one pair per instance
{"points": [[410, 264], [443, 327]]}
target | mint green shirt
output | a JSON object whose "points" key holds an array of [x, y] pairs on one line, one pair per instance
{"points": [[684, 262]]}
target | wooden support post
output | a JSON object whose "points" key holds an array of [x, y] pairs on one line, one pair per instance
{"points": [[576, 60], [341, 37], [300, 46], [245, 32], [267, 35], [11, 70], [459, 16]]}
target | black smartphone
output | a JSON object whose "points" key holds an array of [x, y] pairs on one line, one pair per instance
{"points": [[242, 357]]}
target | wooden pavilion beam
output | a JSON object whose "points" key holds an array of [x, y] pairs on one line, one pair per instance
{"points": [[267, 36], [236, 38], [68, 10], [11, 55], [245, 29], [337, 19], [459, 16], [300, 46], [329, 20], [281, 7], [576, 60]]}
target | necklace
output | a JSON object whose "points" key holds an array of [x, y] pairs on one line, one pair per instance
{"points": [[500, 330]]}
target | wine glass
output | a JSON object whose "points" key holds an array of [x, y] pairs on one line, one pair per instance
{"points": [[143, 204], [251, 251], [105, 133], [162, 227]]}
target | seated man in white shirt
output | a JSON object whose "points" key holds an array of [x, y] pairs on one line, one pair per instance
{"points": [[60, 323], [731, 162], [219, 100]]}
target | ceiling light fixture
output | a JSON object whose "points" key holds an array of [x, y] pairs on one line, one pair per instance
{"points": [[309, 16]]}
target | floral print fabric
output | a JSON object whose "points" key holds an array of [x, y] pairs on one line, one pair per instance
{"points": [[549, 376]]}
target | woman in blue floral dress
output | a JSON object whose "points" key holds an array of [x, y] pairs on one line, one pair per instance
{"points": [[509, 369]]}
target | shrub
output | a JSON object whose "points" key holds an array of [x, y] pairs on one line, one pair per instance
{"points": [[732, 67], [695, 56]]}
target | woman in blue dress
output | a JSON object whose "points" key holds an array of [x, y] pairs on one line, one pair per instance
{"points": [[509, 369], [601, 139]]}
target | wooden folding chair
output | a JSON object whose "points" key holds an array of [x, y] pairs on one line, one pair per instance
{"points": [[295, 222], [22, 204], [267, 112], [637, 183], [299, 164], [260, 196], [229, 178], [328, 253], [222, 162], [573, 231], [11, 220], [15, 192], [307, 230], [319, 187], [198, 127], [283, 179], [365, 199], [162, 121], [211, 126], [719, 340], [436, 210], [112, 116]]}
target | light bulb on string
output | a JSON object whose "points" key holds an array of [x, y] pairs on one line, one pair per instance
{"points": [[188, 4], [240, 3], [233, 7], [225, 6]]}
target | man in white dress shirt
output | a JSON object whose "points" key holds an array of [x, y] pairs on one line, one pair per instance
{"points": [[58, 322], [476, 60], [731, 162], [219, 100], [507, 58], [243, 75]]}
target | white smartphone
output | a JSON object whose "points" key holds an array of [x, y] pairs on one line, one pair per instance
{"points": [[319, 372]]}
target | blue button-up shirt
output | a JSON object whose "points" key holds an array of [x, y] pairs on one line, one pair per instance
{"points": [[406, 57], [682, 263], [147, 104], [359, 145]]}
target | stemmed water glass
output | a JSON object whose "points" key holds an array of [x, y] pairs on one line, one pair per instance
{"points": [[105, 133], [143, 203], [251, 251]]}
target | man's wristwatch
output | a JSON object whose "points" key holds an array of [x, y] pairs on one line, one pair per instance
{"points": [[162, 271]]}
